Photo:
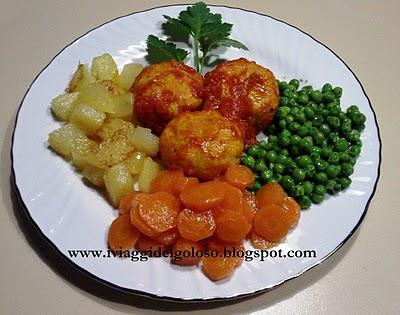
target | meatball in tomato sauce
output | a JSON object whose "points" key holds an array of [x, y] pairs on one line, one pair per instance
{"points": [[164, 90], [203, 144], [243, 91]]}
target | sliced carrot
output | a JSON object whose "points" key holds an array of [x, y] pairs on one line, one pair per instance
{"points": [[233, 199], [138, 222], [259, 242], [271, 223], [167, 238], [218, 268], [165, 181], [217, 211], [249, 206], [150, 246], [122, 235], [184, 182], [292, 209], [195, 226], [239, 176], [204, 196], [159, 211], [184, 253], [232, 227], [224, 249], [268, 194], [128, 201]]}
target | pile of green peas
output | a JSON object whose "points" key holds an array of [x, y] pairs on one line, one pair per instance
{"points": [[312, 145]]}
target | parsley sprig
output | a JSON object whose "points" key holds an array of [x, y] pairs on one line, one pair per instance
{"points": [[206, 29]]}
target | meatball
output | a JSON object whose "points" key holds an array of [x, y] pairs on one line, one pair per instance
{"points": [[202, 144], [243, 91], [164, 90]]}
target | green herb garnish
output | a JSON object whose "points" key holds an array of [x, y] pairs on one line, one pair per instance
{"points": [[206, 30]]}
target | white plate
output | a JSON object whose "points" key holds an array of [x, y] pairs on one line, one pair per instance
{"points": [[72, 216]]}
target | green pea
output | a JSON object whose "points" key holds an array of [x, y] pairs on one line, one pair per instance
{"points": [[344, 182], [282, 85], [288, 93], [261, 153], [342, 116], [334, 158], [321, 178], [262, 144], [337, 91], [332, 171], [358, 118], [284, 152], [320, 190], [282, 123], [287, 182], [299, 175], [359, 127], [325, 129], [271, 156], [343, 157], [335, 110], [317, 198], [310, 171], [283, 101], [324, 112], [327, 88], [315, 150], [319, 137], [283, 111], [295, 150], [282, 159], [303, 160], [270, 146], [294, 139], [315, 156], [277, 178], [321, 165], [272, 129], [260, 166], [332, 187], [305, 202], [289, 119], [354, 135], [297, 191], [341, 145], [308, 188], [352, 161], [300, 117], [292, 102], [346, 127], [273, 139], [333, 122], [255, 186], [303, 131], [353, 108], [307, 89], [328, 97], [253, 150], [354, 151], [294, 127], [248, 161], [316, 96], [326, 152], [279, 168], [266, 175], [347, 169], [302, 99], [295, 83], [317, 120]]}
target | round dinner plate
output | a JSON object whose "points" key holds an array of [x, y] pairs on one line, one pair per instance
{"points": [[72, 216]]}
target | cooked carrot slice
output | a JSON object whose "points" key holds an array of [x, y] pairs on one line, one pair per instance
{"points": [[184, 182], [239, 176], [150, 246], [204, 196], [271, 223], [165, 181], [292, 209], [259, 242], [138, 222], [217, 211], [232, 227], [268, 194], [122, 235], [249, 206], [233, 199], [167, 238], [159, 211], [218, 268], [195, 226], [128, 201], [184, 253], [224, 249]]}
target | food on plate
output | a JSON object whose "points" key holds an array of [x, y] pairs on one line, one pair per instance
{"points": [[208, 216], [312, 145], [122, 235], [244, 92], [164, 90], [203, 144], [98, 135]]}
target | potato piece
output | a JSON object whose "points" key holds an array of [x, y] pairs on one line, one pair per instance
{"points": [[118, 181], [135, 162], [62, 140], [82, 147], [87, 118], [94, 175], [112, 87], [99, 97], [115, 149], [150, 170], [123, 107], [105, 68], [145, 141], [63, 105], [129, 74], [110, 126], [81, 79]]}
